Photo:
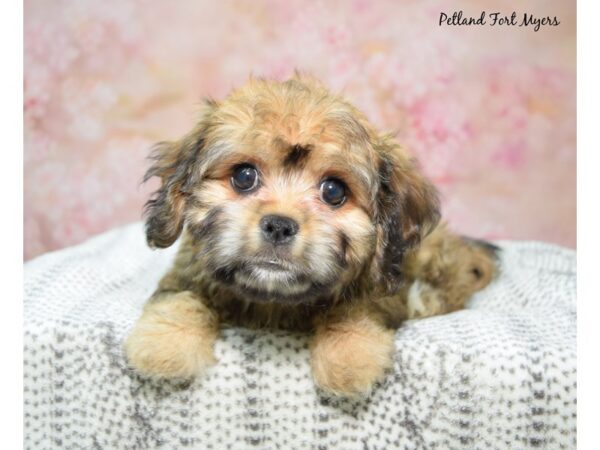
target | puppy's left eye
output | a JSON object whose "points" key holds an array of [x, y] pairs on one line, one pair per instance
{"points": [[245, 178], [333, 191]]}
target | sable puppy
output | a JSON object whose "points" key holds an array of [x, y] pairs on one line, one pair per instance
{"points": [[296, 213]]}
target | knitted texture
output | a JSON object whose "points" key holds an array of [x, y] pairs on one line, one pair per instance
{"points": [[500, 374]]}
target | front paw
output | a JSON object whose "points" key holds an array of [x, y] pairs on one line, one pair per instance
{"points": [[348, 358], [174, 338]]}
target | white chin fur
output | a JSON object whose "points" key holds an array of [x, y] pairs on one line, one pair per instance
{"points": [[280, 281]]}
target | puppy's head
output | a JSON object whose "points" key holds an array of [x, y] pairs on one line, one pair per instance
{"points": [[290, 195]]}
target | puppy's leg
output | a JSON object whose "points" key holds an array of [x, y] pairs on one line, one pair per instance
{"points": [[350, 350], [445, 271], [174, 338]]}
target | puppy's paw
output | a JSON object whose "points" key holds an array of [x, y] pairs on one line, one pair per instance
{"points": [[174, 338], [348, 358]]}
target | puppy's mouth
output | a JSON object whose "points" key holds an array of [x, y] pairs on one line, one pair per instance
{"points": [[272, 265], [271, 280]]}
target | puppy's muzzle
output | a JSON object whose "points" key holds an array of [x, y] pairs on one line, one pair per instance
{"points": [[278, 230]]}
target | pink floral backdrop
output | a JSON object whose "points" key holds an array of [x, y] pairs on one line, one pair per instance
{"points": [[489, 111]]}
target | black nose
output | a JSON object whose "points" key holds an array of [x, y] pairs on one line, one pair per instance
{"points": [[278, 229]]}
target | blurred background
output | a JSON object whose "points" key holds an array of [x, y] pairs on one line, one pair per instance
{"points": [[489, 111]]}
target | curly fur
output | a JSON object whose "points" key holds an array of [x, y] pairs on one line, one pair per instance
{"points": [[351, 273]]}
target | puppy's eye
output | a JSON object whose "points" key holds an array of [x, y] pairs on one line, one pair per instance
{"points": [[333, 191], [245, 178]]}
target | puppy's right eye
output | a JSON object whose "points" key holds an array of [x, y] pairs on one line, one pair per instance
{"points": [[245, 178], [333, 191]]}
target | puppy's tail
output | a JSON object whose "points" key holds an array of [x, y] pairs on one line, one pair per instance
{"points": [[484, 261]]}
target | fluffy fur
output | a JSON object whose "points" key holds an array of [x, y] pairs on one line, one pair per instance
{"points": [[349, 275]]}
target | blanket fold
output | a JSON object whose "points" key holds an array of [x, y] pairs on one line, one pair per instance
{"points": [[499, 374]]}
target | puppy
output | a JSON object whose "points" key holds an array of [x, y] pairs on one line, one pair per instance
{"points": [[296, 213]]}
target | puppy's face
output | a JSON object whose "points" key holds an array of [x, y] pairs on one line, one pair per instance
{"points": [[289, 194]]}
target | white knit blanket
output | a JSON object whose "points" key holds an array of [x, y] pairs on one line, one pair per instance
{"points": [[500, 374]]}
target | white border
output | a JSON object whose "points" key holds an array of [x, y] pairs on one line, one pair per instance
{"points": [[11, 224], [588, 223]]}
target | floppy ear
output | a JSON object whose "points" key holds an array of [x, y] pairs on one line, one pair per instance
{"points": [[175, 163], [407, 210]]}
